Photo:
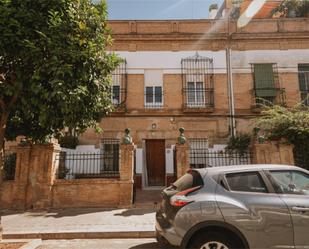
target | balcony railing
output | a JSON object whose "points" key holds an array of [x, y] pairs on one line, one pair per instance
{"points": [[198, 98], [260, 99]]}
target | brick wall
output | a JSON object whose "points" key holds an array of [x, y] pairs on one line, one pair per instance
{"points": [[35, 185]]}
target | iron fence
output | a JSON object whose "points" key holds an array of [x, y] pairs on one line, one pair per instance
{"points": [[204, 159], [87, 165], [9, 166]]}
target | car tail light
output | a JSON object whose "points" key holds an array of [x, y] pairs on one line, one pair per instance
{"points": [[180, 199]]}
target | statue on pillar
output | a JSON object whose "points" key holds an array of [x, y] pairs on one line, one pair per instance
{"points": [[127, 139], [182, 139]]}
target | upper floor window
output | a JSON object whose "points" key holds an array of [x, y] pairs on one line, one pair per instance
{"points": [[119, 84], [303, 77], [153, 88], [198, 77], [267, 89]]}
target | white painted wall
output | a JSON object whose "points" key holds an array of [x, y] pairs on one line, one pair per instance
{"points": [[169, 160], [170, 62], [139, 161]]}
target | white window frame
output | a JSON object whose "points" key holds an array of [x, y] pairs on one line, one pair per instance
{"points": [[197, 93], [153, 104]]}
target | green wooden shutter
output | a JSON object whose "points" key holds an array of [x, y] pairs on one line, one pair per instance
{"points": [[264, 80], [303, 76]]}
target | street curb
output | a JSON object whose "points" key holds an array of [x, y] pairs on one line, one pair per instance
{"points": [[33, 244], [82, 235]]}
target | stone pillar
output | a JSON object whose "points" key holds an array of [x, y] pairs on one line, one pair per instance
{"points": [[21, 176], [182, 159], [42, 173], [272, 152], [126, 175]]}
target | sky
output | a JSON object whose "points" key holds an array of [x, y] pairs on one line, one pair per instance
{"points": [[159, 9]]}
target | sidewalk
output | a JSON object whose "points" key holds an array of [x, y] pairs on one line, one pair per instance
{"points": [[80, 223]]}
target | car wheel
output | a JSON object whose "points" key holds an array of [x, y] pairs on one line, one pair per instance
{"points": [[212, 241]]}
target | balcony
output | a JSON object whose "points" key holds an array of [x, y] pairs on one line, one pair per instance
{"points": [[276, 96]]}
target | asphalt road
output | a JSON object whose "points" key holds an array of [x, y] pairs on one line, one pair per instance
{"points": [[101, 244]]}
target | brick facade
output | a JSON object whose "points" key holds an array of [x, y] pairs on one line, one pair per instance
{"points": [[261, 41]]}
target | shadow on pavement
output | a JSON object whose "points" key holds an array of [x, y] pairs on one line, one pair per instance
{"points": [[57, 213], [153, 245], [130, 212]]}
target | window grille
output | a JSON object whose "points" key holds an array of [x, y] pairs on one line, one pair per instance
{"points": [[198, 82], [119, 85]]}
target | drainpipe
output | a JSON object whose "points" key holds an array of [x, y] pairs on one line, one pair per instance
{"points": [[232, 122]]}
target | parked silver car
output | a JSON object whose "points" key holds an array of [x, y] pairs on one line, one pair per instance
{"points": [[246, 206]]}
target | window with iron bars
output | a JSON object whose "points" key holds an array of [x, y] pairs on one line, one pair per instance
{"points": [[119, 85], [303, 77], [198, 82], [266, 85]]}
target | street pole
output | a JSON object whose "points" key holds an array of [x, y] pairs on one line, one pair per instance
{"points": [[232, 122]]}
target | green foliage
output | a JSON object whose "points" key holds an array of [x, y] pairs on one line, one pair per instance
{"points": [[68, 141], [54, 67], [290, 124], [293, 8], [239, 144], [279, 122]]}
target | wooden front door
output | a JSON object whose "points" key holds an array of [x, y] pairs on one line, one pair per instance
{"points": [[155, 159]]}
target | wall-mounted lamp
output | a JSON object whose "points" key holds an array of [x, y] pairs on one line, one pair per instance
{"points": [[154, 126]]}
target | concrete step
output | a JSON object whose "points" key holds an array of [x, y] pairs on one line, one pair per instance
{"points": [[81, 235]]}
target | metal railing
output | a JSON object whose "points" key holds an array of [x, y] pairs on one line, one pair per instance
{"points": [[118, 97], [260, 98], [203, 158], [9, 168], [87, 165], [198, 97]]}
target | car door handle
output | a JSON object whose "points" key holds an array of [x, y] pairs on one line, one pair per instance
{"points": [[300, 209]]}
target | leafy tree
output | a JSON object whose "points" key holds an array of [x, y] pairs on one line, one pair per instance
{"points": [[292, 8], [54, 67], [290, 124]]}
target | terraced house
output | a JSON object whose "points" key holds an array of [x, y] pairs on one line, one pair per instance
{"points": [[175, 74]]}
